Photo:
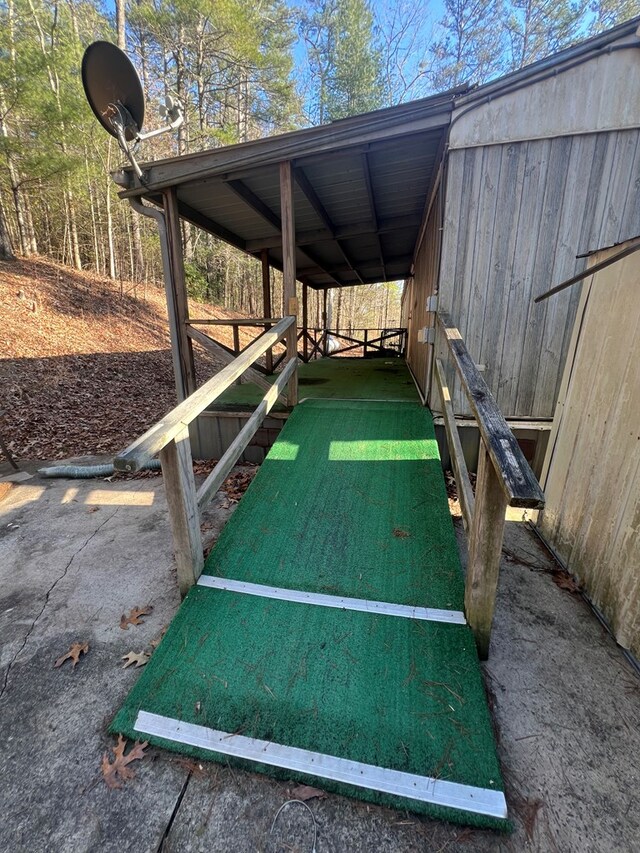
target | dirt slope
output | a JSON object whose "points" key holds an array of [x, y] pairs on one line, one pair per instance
{"points": [[84, 367]]}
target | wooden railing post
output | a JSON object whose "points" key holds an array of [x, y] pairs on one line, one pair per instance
{"points": [[180, 489], [485, 549], [266, 300], [366, 338], [289, 270]]}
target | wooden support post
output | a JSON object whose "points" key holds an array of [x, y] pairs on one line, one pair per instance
{"points": [[305, 323], [324, 322], [485, 549], [266, 298], [289, 270], [180, 489], [186, 383], [236, 348], [366, 338]]}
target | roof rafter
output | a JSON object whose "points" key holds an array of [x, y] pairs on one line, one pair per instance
{"points": [[372, 208], [312, 197], [263, 210]]}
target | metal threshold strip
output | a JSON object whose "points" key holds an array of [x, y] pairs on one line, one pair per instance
{"points": [[382, 608], [427, 789]]}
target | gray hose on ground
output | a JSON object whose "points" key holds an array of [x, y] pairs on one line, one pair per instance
{"points": [[86, 472]]}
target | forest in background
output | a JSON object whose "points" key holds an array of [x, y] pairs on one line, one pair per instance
{"points": [[241, 70]]}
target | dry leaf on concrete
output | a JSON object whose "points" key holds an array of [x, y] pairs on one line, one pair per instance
{"points": [[134, 617], [73, 654], [306, 792], [137, 658], [156, 642], [565, 581], [117, 771]]}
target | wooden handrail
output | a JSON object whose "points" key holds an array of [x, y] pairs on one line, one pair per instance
{"points": [[514, 473], [174, 423], [248, 321], [465, 492], [221, 471]]}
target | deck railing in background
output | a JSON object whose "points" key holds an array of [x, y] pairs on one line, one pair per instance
{"points": [[170, 438], [312, 342], [504, 479]]}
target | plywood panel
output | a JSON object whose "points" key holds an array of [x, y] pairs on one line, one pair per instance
{"points": [[593, 481]]}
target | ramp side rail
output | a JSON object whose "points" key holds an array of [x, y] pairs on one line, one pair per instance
{"points": [[504, 479], [170, 439]]}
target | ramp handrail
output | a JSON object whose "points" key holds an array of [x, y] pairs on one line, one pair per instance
{"points": [[170, 438], [504, 479], [160, 434]]}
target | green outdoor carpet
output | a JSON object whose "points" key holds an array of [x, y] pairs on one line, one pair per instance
{"points": [[351, 502], [345, 378]]}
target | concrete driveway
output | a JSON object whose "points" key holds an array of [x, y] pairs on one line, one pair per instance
{"points": [[77, 554]]}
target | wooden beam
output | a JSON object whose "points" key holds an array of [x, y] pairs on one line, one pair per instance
{"points": [[465, 492], [485, 549], [289, 270], [220, 473], [180, 489], [252, 200], [179, 293], [342, 232], [518, 480], [305, 323], [372, 208], [160, 434], [227, 357], [312, 197], [266, 300]]}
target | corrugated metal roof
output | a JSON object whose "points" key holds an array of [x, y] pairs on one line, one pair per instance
{"points": [[361, 186]]}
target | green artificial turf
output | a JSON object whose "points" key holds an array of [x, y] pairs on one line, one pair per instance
{"points": [[346, 378], [350, 501], [387, 691]]}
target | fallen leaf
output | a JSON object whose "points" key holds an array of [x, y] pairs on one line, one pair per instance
{"points": [[134, 617], [73, 654], [306, 792], [155, 643], [399, 533], [565, 581], [139, 658], [117, 771], [93, 509]]}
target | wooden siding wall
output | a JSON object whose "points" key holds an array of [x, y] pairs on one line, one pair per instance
{"points": [[592, 517], [423, 284], [516, 217]]}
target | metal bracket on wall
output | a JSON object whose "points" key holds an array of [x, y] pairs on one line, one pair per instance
{"points": [[432, 303], [427, 335]]}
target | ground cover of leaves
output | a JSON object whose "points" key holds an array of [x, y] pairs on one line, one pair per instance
{"points": [[85, 363]]}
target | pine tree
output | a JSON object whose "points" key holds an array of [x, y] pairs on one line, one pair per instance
{"points": [[345, 60], [536, 28]]}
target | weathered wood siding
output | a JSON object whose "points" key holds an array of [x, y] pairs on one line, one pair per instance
{"points": [[422, 285], [592, 516], [516, 217]]}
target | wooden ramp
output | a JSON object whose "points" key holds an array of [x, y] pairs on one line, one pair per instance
{"points": [[325, 640]]}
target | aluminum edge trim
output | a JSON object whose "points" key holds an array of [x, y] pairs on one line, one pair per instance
{"points": [[428, 614], [426, 789]]}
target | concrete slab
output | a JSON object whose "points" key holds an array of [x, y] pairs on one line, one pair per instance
{"points": [[75, 555]]}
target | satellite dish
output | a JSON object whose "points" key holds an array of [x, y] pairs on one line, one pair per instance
{"points": [[115, 95], [113, 89]]}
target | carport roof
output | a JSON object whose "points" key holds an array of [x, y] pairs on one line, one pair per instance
{"points": [[361, 188]]}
